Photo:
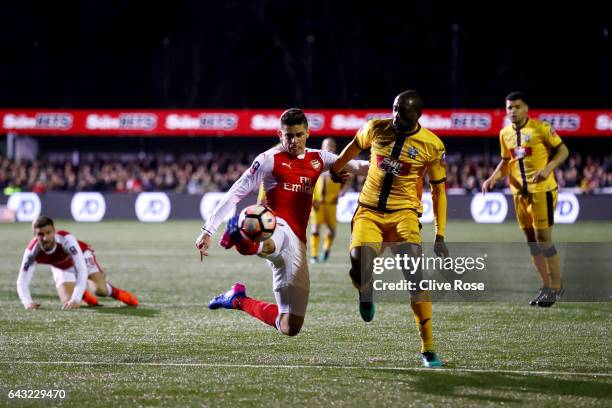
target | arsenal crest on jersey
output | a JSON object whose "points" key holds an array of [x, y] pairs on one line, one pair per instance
{"points": [[315, 164], [413, 152], [527, 137]]}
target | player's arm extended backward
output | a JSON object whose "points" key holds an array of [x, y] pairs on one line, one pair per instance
{"points": [[249, 180]]}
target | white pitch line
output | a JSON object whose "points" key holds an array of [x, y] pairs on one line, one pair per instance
{"points": [[304, 366]]}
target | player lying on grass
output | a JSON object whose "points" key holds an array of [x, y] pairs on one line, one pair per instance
{"points": [[289, 173], [72, 262]]}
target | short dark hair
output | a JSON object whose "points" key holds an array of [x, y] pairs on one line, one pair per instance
{"points": [[42, 221], [294, 116], [516, 95]]}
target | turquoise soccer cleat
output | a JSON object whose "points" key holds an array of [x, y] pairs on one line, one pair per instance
{"points": [[430, 359], [367, 310]]}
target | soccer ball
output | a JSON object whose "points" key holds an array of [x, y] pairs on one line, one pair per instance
{"points": [[257, 222]]}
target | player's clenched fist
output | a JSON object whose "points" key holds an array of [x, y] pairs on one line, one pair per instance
{"points": [[202, 243]]}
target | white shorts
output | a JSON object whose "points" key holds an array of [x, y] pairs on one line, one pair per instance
{"points": [[289, 265], [291, 300], [61, 276]]}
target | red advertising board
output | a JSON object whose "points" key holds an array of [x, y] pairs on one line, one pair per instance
{"points": [[227, 122]]}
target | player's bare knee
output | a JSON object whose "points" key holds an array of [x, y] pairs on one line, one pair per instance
{"points": [[101, 291], [410, 249], [362, 261], [364, 255], [534, 248], [290, 325], [542, 236], [292, 330]]}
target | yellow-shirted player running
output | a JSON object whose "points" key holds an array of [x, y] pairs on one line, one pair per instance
{"points": [[390, 203], [324, 206], [530, 152]]}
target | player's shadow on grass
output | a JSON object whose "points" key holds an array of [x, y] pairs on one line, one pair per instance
{"points": [[128, 311], [504, 387], [41, 296]]}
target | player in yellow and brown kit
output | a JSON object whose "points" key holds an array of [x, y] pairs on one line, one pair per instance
{"points": [[324, 205], [530, 152], [390, 203]]}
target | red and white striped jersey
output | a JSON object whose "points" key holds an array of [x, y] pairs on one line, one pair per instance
{"points": [[61, 255], [288, 181], [66, 254]]}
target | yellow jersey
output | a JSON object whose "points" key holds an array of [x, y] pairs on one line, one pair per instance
{"points": [[529, 149], [325, 190], [397, 165]]}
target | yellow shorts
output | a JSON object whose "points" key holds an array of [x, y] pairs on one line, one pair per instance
{"points": [[536, 210], [372, 228], [326, 214]]}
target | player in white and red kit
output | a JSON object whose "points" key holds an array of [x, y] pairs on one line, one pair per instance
{"points": [[73, 264], [289, 173]]}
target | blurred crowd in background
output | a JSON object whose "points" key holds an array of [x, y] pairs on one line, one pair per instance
{"points": [[197, 174]]}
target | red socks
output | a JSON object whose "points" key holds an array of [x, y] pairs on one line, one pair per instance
{"points": [[124, 296], [264, 311], [90, 299]]}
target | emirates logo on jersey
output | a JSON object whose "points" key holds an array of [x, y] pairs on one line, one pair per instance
{"points": [[315, 164]]}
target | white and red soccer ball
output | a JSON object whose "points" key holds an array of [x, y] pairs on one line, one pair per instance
{"points": [[257, 222]]}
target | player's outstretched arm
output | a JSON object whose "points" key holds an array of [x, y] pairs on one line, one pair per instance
{"points": [[357, 167], [249, 180], [349, 153], [202, 243], [500, 171], [437, 181]]}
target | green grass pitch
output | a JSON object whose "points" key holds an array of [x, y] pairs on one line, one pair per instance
{"points": [[173, 351]]}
